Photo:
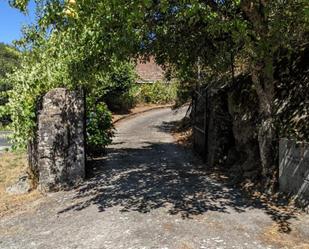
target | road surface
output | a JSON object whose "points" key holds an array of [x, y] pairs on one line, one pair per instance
{"points": [[3, 140], [148, 192]]}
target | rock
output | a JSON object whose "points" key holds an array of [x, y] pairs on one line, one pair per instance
{"points": [[22, 186], [58, 152], [243, 109]]}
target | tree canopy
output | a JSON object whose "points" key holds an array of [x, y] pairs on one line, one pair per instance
{"points": [[74, 43], [9, 61]]}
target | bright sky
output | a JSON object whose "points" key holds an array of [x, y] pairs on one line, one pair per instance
{"points": [[11, 21]]}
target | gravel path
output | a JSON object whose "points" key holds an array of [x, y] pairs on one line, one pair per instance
{"points": [[150, 193]]}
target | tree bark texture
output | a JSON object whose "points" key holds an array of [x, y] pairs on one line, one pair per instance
{"points": [[263, 80]]}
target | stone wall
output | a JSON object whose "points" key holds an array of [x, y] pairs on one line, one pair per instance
{"points": [[294, 169], [244, 156], [226, 133], [57, 154]]}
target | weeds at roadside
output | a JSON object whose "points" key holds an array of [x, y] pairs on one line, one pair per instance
{"points": [[12, 166]]}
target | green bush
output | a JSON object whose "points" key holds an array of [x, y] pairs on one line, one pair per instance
{"points": [[121, 103], [156, 93], [99, 126], [119, 96], [36, 77], [9, 60]]}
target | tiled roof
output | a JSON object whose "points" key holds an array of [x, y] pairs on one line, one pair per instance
{"points": [[149, 71]]}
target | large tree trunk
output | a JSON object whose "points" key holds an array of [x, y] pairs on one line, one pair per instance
{"points": [[263, 79]]}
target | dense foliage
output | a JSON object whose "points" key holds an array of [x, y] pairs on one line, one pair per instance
{"points": [[75, 41], [9, 60], [99, 129], [111, 91], [42, 70], [156, 93]]}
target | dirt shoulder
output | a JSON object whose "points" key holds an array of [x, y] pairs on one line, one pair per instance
{"points": [[12, 166]]}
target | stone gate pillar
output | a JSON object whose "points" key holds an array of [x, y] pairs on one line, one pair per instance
{"points": [[294, 170], [60, 140]]}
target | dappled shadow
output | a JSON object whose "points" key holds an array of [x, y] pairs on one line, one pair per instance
{"points": [[167, 126], [159, 175]]}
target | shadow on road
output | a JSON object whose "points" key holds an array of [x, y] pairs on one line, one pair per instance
{"points": [[160, 175]]}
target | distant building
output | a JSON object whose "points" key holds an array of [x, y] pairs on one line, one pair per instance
{"points": [[149, 72]]}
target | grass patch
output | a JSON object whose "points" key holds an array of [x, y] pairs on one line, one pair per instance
{"points": [[12, 165]]}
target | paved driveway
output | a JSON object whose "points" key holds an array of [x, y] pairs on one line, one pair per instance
{"points": [[3, 140], [150, 193]]}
